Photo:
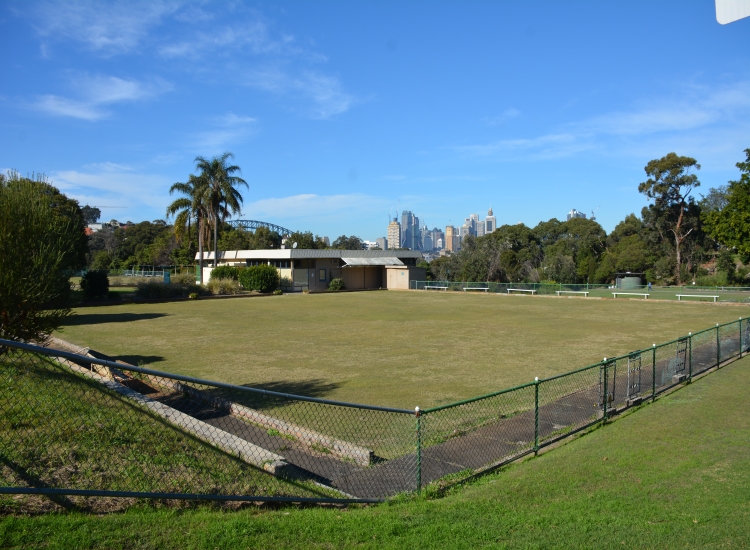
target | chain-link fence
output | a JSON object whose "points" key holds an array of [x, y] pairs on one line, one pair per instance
{"points": [[84, 425]]}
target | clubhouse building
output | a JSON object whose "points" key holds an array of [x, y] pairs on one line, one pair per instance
{"points": [[314, 269]]}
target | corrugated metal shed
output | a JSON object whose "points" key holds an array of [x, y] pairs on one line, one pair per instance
{"points": [[372, 261]]}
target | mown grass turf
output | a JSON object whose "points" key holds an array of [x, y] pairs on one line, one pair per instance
{"points": [[674, 474], [386, 348]]}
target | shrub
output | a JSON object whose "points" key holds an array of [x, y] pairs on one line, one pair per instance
{"points": [[223, 286], [278, 292], [38, 245], [95, 284], [225, 272], [337, 284], [158, 289], [262, 278], [193, 295], [183, 279]]}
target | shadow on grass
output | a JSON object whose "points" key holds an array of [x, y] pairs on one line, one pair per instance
{"points": [[97, 318], [309, 388]]}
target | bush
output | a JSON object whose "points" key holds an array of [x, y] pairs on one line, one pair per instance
{"points": [[278, 292], [223, 286], [183, 279], [95, 284], [159, 289], [337, 284], [262, 278], [225, 272], [38, 248], [193, 295]]}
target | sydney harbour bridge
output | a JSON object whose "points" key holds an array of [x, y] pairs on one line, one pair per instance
{"points": [[250, 225]]}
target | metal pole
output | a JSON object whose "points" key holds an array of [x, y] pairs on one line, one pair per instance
{"points": [[653, 373], [536, 415], [418, 414], [606, 392], [740, 336], [690, 356], [718, 347]]}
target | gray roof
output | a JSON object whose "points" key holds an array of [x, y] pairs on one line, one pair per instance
{"points": [[372, 261], [294, 254]]}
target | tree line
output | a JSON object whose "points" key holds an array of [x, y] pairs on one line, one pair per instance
{"points": [[677, 238]]}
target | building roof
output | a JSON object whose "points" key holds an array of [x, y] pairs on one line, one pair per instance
{"points": [[301, 254], [353, 262]]}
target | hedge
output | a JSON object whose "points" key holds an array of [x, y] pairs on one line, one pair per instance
{"points": [[225, 272], [262, 278]]}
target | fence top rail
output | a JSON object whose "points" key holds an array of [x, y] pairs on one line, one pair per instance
{"points": [[125, 367], [478, 398]]}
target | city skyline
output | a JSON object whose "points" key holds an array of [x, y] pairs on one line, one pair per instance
{"points": [[333, 121]]}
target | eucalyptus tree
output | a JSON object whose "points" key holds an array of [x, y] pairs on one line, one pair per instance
{"points": [[671, 180], [191, 206], [219, 184]]}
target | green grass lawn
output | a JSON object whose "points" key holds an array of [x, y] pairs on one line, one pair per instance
{"points": [[674, 474], [386, 348]]}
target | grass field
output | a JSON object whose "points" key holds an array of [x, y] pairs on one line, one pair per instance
{"points": [[674, 474], [385, 348]]}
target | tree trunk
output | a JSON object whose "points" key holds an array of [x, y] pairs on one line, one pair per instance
{"points": [[678, 242], [200, 249], [216, 235]]}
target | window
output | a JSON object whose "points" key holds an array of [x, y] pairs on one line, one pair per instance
{"points": [[322, 274], [280, 263]]}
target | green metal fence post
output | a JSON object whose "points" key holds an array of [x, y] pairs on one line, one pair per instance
{"points": [[536, 415], [653, 373], [418, 414], [606, 392], [740, 336], [718, 347], [690, 356]]}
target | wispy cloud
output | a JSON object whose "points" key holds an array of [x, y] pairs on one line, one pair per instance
{"points": [[227, 129], [651, 121], [501, 119], [104, 27], [325, 92], [131, 191], [96, 93]]}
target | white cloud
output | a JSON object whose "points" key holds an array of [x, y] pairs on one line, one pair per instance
{"points": [[97, 92], [541, 147], [125, 192], [228, 129], [501, 119], [105, 27], [325, 92]]}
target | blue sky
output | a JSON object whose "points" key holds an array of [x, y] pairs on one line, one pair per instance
{"points": [[339, 111]]}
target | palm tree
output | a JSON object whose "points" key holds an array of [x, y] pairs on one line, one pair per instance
{"points": [[191, 206], [221, 196]]}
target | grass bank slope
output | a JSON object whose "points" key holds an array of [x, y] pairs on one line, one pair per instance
{"points": [[675, 474], [398, 349]]}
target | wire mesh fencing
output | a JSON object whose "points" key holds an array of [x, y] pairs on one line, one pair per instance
{"points": [[81, 424]]}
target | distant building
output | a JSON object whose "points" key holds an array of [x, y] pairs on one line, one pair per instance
{"points": [[490, 223], [367, 245], [410, 234], [439, 243], [394, 234], [327, 241], [480, 229], [452, 239], [382, 242], [575, 214]]}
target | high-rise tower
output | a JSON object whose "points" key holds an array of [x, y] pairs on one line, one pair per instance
{"points": [[490, 223]]}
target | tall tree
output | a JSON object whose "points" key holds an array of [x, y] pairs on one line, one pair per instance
{"points": [[671, 180], [221, 194], [730, 224], [191, 206]]}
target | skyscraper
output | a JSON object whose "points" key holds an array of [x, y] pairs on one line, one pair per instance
{"points": [[394, 234], [382, 242], [490, 223], [452, 240], [480, 229], [575, 214]]}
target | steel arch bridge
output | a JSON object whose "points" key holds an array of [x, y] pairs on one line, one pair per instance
{"points": [[248, 225]]}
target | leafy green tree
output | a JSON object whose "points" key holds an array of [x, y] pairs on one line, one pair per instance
{"points": [[671, 180], [305, 241], [40, 241], [91, 214], [730, 224], [220, 191], [347, 243]]}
